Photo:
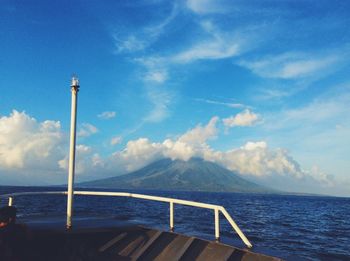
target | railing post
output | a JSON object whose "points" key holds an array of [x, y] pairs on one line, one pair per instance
{"points": [[10, 201], [236, 228], [217, 225], [171, 216]]}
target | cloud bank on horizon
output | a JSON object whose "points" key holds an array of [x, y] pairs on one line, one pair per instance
{"points": [[40, 149], [261, 88]]}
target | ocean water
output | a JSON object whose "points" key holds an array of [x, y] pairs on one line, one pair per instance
{"points": [[287, 226]]}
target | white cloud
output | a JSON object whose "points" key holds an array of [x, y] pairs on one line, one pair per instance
{"points": [[157, 93], [245, 118], [161, 100], [141, 152], [256, 159], [227, 104], [206, 6], [87, 130], [332, 106], [157, 76], [88, 164], [130, 44], [40, 148], [291, 65], [106, 115], [142, 39], [24, 142], [156, 69], [200, 134], [323, 143], [177, 150], [217, 45], [137, 154], [116, 140], [319, 175], [208, 50]]}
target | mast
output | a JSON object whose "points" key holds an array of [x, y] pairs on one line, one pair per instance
{"points": [[73, 122]]}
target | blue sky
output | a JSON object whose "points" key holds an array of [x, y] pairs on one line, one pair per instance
{"points": [[260, 87]]}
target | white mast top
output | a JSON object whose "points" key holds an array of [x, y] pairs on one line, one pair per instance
{"points": [[75, 82]]}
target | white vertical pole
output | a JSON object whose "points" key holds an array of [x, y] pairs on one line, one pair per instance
{"points": [[10, 201], [73, 122], [217, 225], [171, 216]]}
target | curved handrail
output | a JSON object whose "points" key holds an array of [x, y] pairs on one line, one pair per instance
{"points": [[217, 209]]}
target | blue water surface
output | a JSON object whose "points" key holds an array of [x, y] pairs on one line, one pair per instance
{"points": [[288, 226]]}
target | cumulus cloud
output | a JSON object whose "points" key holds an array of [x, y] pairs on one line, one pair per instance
{"points": [[200, 134], [245, 118], [88, 163], [137, 154], [256, 159], [40, 148], [106, 115], [253, 159], [87, 130], [36, 153], [24, 142]]}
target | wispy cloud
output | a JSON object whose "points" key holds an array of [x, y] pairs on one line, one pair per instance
{"points": [[156, 76], [127, 42], [86, 130], [206, 6], [210, 50], [161, 100], [116, 140], [156, 92], [291, 65], [332, 106], [323, 123], [226, 104], [106, 115], [217, 46]]}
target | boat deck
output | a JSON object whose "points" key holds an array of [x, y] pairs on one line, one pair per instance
{"points": [[128, 243]]}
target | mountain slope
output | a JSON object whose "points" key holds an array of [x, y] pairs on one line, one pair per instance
{"points": [[193, 175]]}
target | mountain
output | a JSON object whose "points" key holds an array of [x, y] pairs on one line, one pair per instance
{"points": [[192, 175]]}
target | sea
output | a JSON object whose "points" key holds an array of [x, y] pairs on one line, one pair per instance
{"points": [[292, 227]]}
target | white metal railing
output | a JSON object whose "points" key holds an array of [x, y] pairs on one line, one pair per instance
{"points": [[217, 209]]}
